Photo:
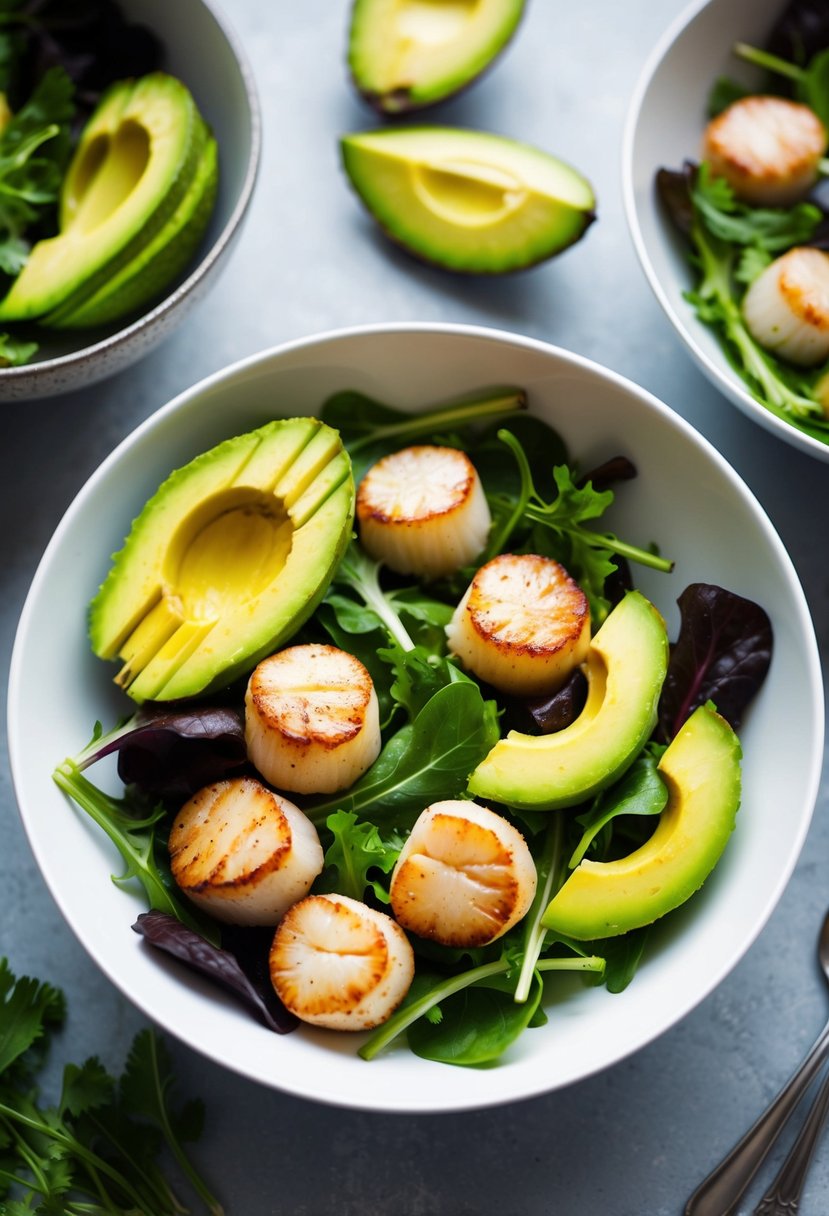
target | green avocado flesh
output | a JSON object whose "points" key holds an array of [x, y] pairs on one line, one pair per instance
{"points": [[226, 561], [131, 180], [701, 768], [625, 669], [467, 200], [407, 54]]}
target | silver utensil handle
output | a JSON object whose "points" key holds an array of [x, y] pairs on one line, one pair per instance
{"points": [[720, 1192], [783, 1196]]}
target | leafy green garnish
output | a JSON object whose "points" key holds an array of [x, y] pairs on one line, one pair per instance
{"points": [[97, 1150], [132, 829], [640, 792], [356, 849], [770, 229], [811, 83]]}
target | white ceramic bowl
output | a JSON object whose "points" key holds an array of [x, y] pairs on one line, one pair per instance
{"points": [[686, 497], [664, 127], [201, 50]]}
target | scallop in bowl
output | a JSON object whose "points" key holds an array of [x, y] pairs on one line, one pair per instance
{"points": [[191, 44], [599, 415], [664, 128]]}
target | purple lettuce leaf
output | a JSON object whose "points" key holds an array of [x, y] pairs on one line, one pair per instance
{"points": [[240, 965], [722, 655], [171, 751]]}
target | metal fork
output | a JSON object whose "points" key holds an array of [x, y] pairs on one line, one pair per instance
{"points": [[783, 1196]]}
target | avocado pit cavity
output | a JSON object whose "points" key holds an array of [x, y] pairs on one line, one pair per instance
{"points": [[467, 192]]}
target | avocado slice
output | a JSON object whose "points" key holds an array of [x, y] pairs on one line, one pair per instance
{"points": [[701, 768], [625, 668], [467, 200], [134, 163], [226, 560], [157, 264], [407, 54]]}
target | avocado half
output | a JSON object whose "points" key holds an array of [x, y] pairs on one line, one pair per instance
{"points": [[625, 669], [405, 55], [467, 200], [141, 180], [226, 560], [701, 768]]}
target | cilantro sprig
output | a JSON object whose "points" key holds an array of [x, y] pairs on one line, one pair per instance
{"points": [[96, 1150]]}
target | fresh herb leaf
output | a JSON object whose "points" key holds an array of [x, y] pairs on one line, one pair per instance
{"points": [[771, 229], [28, 1010]]}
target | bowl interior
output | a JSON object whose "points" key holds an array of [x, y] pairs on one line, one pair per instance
{"points": [[686, 498], [664, 128], [197, 47]]}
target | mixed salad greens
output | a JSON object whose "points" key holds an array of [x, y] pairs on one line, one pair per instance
{"points": [[732, 240], [466, 1006]]}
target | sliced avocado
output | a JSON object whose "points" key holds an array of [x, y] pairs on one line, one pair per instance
{"points": [[226, 560], [134, 163], [625, 668], [407, 54], [156, 265], [467, 200], [701, 768]]}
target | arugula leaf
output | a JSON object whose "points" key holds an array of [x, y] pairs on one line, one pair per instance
{"points": [[133, 834], [771, 229], [357, 847]]}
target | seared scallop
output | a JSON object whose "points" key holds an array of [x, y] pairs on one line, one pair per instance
{"points": [[243, 853], [786, 308], [464, 876], [767, 148], [523, 624], [337, 963], [423, 511], [312, 721]]}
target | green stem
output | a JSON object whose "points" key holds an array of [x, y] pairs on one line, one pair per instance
{"points": [[196, 1181], [498, 543], [549, 868], [588, 962], [445, 417], [764, 59], [399, 1021]]}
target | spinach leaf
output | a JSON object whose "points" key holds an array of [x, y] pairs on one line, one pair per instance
{"points": [[428, 759], [622, 956], [640, 792], [477, 1024], [722, 654]]}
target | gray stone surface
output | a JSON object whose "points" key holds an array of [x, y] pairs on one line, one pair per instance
{"points": [[634, 1140]]}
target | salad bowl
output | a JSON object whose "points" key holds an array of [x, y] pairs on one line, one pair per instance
{"points": [[685, 493], [198, 47], [664, 128]]}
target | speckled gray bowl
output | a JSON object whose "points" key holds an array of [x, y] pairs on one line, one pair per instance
{"points": [[199, 48]]}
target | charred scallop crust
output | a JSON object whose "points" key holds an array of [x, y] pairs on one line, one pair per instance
{"points": [[466, 200], [701, 768], [226, 561], [625, 668], [404, 55]]}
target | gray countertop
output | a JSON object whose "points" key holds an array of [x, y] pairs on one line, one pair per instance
{"points": [[635, 1139]]}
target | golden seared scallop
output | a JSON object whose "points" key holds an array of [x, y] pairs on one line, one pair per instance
{"points": [[786, 308], [312, 721], [337, 963], [523, 624], [243, 853], [464, 876], [767, 148], [423, 511]]}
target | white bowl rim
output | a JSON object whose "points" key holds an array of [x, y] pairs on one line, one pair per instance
{"points": [[731, 385], [442, 1102], [44, 370]]}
